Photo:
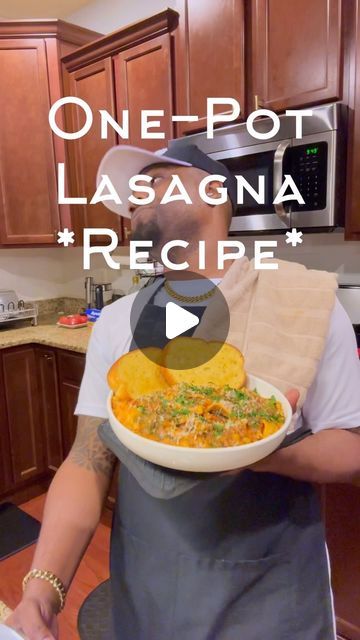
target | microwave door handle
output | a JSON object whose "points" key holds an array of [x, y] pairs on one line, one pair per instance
{"points": [[278, 178]]}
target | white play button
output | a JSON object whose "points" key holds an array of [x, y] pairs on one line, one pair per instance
{"points": [[178, 320]]}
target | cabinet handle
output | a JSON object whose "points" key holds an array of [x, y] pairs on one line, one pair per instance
{"points": [[47, 356], [257, 102], [127, 232]]}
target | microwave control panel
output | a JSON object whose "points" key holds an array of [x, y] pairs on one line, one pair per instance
{"points": [[309, 171]]}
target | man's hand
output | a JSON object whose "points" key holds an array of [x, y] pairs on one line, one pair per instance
{"points": [[331, 455], [293, 397], [34, 618], [266, 463]]}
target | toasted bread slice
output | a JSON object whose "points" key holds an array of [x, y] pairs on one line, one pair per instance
{"points": [[223, 365], [135, 374]]}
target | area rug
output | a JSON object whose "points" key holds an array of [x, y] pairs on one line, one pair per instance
{"points": [[17, 530], [95, 615]]}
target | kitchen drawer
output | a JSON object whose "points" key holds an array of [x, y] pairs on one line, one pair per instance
{"points": [[70, 366]]}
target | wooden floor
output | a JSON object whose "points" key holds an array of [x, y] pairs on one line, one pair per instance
{"points": [[93, 569]]}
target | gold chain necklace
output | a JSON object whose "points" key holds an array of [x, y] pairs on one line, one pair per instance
{"points": [[178, 296]]}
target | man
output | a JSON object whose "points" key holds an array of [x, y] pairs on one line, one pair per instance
{"points": [[230, 556]]}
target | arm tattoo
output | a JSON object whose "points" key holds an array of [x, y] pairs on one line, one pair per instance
{"points": [[88, 451]]}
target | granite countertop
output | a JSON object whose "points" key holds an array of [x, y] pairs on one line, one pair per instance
{"points": [[46, 333]]}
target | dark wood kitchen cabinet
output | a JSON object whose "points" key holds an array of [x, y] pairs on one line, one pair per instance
{"points": [[21, 392], [265, 53], [94, 84], [39, 387], [129, 69], [49, 406], [29, 211], [352, 220], [70, 372], [6, 477], [143, 80], [341, 505], [30, 79], [210, 60], [295, 55]]}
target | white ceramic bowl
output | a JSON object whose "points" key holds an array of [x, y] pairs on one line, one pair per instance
{"points": [[211, 459]]}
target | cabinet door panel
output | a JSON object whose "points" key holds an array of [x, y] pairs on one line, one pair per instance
{"points": [[70, 371], [28, 194], [342, 520], [50, 407], [94, 85], [22, 401], [143, 81], [209, 57], [296, 51], [68, 394], [6, 479], [70, 366], [352, 218]]}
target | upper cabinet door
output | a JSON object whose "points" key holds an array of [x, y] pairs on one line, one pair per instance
{"points": [[210, 57], [143, 81], [352, 217], [29, 212], [94, 85], [296, 53]]}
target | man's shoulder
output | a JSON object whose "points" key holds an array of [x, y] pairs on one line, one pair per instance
{"points": [[121, 308], [115, 314], [114, 308], [301, 275], [340, 327]]}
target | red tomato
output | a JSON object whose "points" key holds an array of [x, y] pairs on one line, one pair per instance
{"points": [[76, 318]]}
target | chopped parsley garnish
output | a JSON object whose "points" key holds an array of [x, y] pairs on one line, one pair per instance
{"points": [[218, 428]]}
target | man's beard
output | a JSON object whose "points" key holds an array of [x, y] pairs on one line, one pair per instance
{"points": [[149, 231]]}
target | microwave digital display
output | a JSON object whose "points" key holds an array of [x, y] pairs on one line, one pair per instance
{"points": [[312, 151]]}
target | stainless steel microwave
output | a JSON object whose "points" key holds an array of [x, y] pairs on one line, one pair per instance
{"points": [[316, 162]]}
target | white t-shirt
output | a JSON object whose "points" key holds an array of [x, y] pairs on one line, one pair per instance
{"points": [[333, 399]]}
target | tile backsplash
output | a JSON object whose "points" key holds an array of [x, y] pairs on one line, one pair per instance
{"points": [[59, 306], [42, 274]]}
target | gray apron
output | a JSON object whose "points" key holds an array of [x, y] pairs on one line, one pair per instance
{"points": [[214, 557]]}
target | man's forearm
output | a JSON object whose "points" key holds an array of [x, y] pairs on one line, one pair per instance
{"points": [[332, 455], [72, 512], [73, 508]]}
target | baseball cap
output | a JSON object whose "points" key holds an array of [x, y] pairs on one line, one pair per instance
{"points": [[122, 162]]}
